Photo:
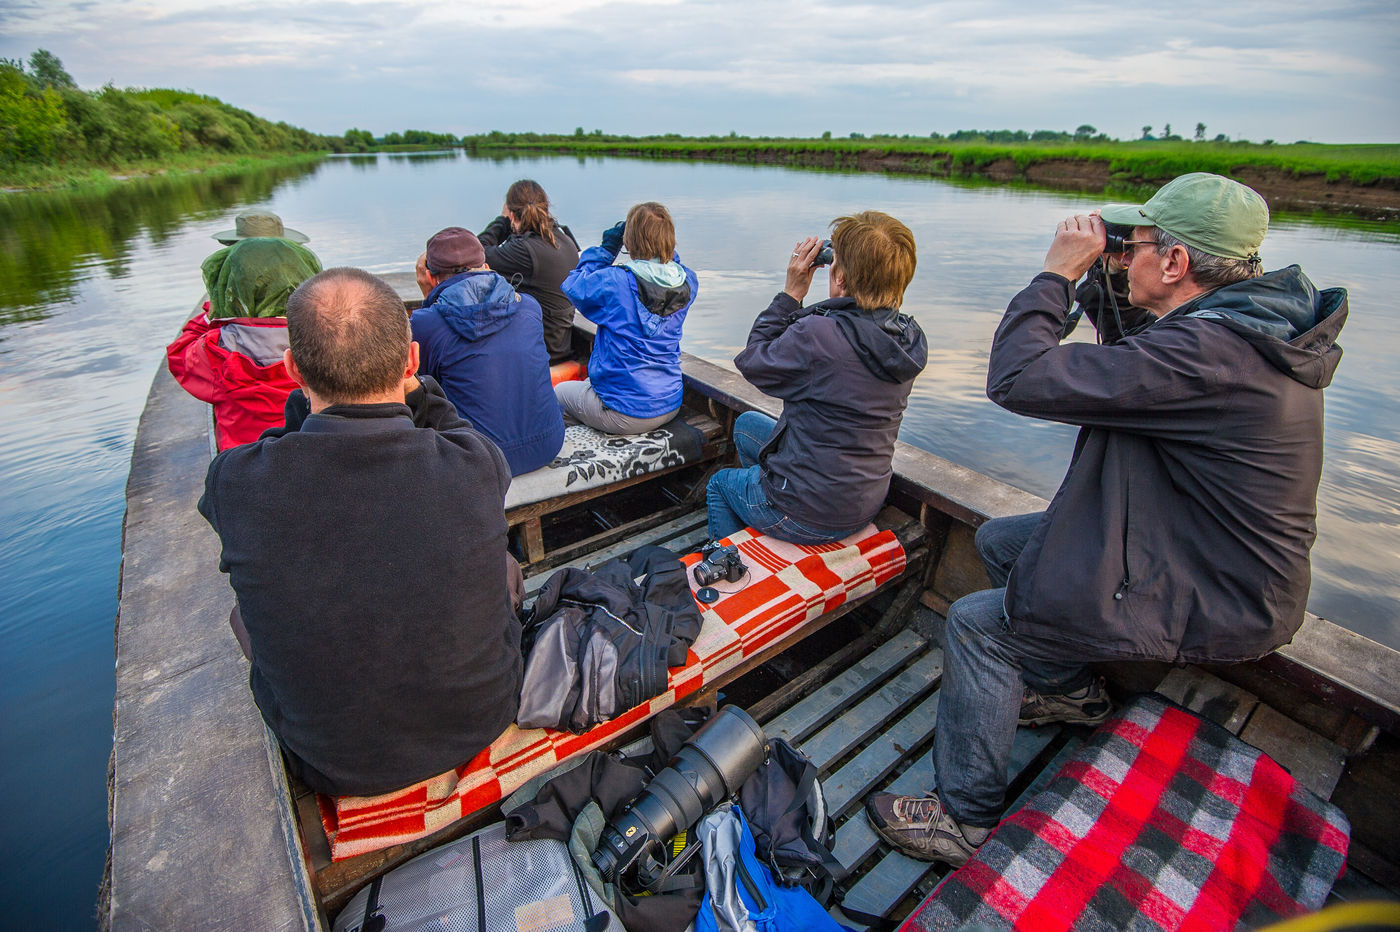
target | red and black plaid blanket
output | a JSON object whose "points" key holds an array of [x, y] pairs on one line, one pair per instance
{"points": [[1162, 820]]}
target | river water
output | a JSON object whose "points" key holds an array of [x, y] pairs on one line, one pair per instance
{"points": [[93, 287]]}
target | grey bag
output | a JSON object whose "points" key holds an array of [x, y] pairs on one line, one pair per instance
{"points": [[482, 883]]}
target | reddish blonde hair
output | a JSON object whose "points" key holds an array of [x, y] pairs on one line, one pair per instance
{"points": [[875, 254]]}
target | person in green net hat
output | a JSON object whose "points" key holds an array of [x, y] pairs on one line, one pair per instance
{"points": [[230, 355], [1183, 528], [253, 277]]}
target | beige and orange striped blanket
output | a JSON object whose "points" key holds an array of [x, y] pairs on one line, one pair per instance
{"points": [[788, 586]]}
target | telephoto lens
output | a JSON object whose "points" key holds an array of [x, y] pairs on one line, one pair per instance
{"points": [[708, 768]]}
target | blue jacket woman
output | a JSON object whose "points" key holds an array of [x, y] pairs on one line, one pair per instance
{"points": [[639, 306]]}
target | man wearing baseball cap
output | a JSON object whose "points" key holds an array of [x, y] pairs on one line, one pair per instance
{"points": [[484, 342], [1181, 531]]}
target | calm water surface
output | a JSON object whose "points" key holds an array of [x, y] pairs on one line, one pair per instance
{"points": [[92, 288]]}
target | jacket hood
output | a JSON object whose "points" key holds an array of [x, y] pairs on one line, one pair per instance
{"points": [[661, 286], [890, 344], [474, 304], [1285, 318]]}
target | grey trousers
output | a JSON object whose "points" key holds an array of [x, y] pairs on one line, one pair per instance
{"points": [[582, 404]]}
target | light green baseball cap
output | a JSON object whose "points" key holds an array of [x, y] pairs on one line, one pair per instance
{"points": [[1210, 212]]}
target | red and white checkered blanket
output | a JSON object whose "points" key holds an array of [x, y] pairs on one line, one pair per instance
{"points": [[788, 586], [1162, 820]]}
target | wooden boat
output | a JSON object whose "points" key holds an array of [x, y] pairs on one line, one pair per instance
{"points": [[207, 831]]}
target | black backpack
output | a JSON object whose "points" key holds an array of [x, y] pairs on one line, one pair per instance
{"points": [[786, 810]]}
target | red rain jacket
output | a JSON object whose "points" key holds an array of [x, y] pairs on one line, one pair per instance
{"points": [[220, 362]]}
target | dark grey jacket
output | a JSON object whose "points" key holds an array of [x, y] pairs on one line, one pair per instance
{"points": [[844, 376], [601, 643], [1183, 526], [535, 268]]}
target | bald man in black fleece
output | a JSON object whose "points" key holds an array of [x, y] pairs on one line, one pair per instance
{"points": [[366, 543]]}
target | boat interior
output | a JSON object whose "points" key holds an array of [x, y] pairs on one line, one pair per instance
{"points": [[856, 688]]}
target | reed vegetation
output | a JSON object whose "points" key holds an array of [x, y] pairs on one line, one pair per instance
{"points": [[972, 152]]}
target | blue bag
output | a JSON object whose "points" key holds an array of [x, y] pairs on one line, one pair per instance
{"points": [[739, 888]]}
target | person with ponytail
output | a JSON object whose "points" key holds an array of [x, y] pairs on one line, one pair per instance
{"points": [[534, 252]]}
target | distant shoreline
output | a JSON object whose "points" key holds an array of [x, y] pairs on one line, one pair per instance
{"points": [[1362, 180]]}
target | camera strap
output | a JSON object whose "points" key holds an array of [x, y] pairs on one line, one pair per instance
{"points": [[670, 879]]}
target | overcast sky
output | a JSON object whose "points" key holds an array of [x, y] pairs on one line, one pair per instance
{"points": [[1282, 70]]}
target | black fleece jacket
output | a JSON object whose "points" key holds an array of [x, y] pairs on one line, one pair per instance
{"points": [[368, 556]]}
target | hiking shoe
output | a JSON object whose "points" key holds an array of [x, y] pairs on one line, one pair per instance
{"points": [[1087, 706], [918, 826]]}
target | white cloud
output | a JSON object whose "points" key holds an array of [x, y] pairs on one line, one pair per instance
{"points": [[1285, 69]]}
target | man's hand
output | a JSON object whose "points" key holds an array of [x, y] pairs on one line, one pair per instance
{"points": [[1078, 242], [799, 269], [420, 272]]}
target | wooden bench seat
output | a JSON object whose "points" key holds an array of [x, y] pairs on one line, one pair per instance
{"points": [[593, 464]]}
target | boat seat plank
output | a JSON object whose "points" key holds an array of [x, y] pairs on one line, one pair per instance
{"points": [[804, 717], [881, 889], [1210, 697], [1313, 760], [872, 714], [849, 785], [678, 534]]}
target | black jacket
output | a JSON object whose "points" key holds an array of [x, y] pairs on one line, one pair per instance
{"points": [[844, 376], [535, 268], [1183, 526], [368, 557], [601, 642]]}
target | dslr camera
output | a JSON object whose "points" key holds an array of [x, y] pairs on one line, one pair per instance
{"points": [[719, 563]]}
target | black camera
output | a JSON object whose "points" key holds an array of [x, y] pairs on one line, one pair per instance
{"points": [[825, 255], [720, 563], [709, 767], [1114, 235]]}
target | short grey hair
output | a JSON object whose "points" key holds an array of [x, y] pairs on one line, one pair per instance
{"points": [[1208, 270]]}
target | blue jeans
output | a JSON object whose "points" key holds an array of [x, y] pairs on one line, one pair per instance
{"points": [[734, 498], [986, 668]]}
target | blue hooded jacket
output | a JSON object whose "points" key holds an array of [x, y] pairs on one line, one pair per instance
{"points": [[635, 367], [484, 343]]}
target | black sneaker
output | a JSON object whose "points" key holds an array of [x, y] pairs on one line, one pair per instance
{"points": [[919, 827], [1087, 706]]}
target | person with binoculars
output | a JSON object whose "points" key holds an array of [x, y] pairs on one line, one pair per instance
{"points": [[639, 305], [1181, 531], [843, 368]]}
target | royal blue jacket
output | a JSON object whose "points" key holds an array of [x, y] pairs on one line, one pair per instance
{"points": [[635, 366], [484, 343]]}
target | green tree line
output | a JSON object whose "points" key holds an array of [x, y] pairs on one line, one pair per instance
{"points": [[46, 119]]}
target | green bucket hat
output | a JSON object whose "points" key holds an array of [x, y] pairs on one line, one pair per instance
{"points": [[1210, 212], [251, 223]]}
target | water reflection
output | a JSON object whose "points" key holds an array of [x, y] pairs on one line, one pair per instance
{"points": [[48, 240]]}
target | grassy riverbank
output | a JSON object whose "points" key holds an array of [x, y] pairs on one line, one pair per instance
{"points": [[94, 179], [1363, 178]]}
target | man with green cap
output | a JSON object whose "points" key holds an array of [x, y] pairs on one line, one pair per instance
{"points": [[1181, 531]]}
